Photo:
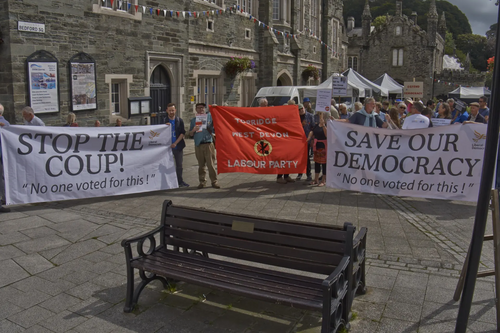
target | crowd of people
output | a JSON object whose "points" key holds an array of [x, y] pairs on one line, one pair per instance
{"points": [[402, 115]]}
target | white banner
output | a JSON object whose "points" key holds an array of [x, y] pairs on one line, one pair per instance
{"points": [[441, 163], [61, 163]]}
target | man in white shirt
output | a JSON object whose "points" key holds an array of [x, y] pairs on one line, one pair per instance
{"points": [[30, 119], [416, 119]]}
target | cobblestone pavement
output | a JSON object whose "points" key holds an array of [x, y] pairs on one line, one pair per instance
{"points": [[63, 269]]}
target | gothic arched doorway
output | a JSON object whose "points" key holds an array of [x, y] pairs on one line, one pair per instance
{"points": [[284, 80], [160, 92]]}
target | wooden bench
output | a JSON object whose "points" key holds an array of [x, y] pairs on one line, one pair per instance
{"points": [[308, 266]]}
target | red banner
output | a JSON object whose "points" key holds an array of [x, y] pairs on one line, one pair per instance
{"points": [[267, 140]]}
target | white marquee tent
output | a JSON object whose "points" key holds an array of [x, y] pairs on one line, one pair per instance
{"points": [[469, 92], [352, 89], [390, 84], [360, 81]]}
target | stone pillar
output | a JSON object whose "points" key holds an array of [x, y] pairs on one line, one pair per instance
{"points": [[268, 48]]}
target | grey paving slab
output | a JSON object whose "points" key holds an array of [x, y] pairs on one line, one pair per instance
{"points": [[63, 321], [43, 243], [33, 263], [10, 251], [12, 238], [11, 272], [24, 223], [31, 316], [10, 327]]}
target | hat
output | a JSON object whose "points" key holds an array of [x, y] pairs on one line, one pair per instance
{"points": [[474, 104], [306, 99], [301, 106]]}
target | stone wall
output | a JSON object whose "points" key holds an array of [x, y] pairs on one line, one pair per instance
{"points": [[450, 79], [129, 46]]}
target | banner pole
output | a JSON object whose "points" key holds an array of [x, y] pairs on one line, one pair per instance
{"points": [[490, 153]]}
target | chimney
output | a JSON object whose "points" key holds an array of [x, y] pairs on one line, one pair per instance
{"points": [[399, 8], [414, 17], [350, 23]]}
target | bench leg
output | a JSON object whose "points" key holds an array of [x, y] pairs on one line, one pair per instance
{"points": [[129, 304], [133, 295]]}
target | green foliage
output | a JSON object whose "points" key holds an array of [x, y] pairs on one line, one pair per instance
{"points": [[238, 65], [379, 21], [477, 47], [456, 21], [310, 71], [449, 44]]}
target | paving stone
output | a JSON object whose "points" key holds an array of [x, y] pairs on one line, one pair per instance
{"points": [[41, 244], [61, 216], [77, 250], [63, 322], [10, 327], [11, 272], [35, 283], [60, 303], [394, 325], [7, 309], [12, 238], [33, 263], [31, 316], [402, 311], [10, 251], [22, 224]]}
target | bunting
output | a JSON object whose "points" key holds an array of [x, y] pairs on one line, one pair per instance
{"points": [[231, 10]]}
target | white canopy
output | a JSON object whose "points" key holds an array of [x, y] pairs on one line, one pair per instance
{"points": [[352, 89], [360, 81], [390, 84], [469, 92]]}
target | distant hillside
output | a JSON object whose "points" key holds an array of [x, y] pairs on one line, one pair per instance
{"points": [[456, 21]]}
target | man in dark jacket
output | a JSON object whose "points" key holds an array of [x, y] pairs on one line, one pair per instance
{"points": [[178, 144], [475, 116]]}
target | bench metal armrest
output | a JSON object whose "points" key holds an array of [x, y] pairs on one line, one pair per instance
{"points": [[128, 241], [140, 242], [342, 267]]}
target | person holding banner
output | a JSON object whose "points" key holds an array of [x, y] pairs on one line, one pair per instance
{"points": [[3, 122], [475, 116], [416, 119], [444, 111], [484, 110], [30, 119], [204, 147], [178, 143], [318, 134], [307, 123], [392, 119], [366, 116], [71, 120]]}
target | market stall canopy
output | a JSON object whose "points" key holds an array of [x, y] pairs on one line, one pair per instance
{"points": [[469, 92], [360, 81], [352, 89], [390, 84]]}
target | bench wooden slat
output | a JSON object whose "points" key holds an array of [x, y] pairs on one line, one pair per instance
{"points": [[273, 291], [269, 237], [290, 228], [262, 258], [253, 246], [242, 271], [301, 280]]}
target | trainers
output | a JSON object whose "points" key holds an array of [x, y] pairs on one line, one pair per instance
{"points": [[201, 185], [281, 181], [215, 185], [4, 209], [298, 177], [309, 178], [289, 180], [183, 184]]}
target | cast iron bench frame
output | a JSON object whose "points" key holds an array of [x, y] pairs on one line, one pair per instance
{"points": [[187, 236]]}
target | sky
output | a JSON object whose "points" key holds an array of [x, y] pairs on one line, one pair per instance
{"points": [[481, 13]]}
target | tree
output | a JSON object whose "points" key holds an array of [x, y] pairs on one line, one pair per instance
{"points": [[456, 21], [379, 21], [449, 44], [477, 48]]}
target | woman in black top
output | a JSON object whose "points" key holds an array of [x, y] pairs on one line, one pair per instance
{"points": [[318, 134]]}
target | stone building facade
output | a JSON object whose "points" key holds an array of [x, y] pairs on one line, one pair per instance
{"points": [[399, 47], [171, 50]]}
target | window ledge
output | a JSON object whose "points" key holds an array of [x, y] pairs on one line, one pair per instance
{"points": [[96, 8], [208, 4]]}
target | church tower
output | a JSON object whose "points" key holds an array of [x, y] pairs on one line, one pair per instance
{"points": [[442, 26], [366, 22], [432, 23]]}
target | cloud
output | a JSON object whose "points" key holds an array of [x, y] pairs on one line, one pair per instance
{"points": [[481, 13]]}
